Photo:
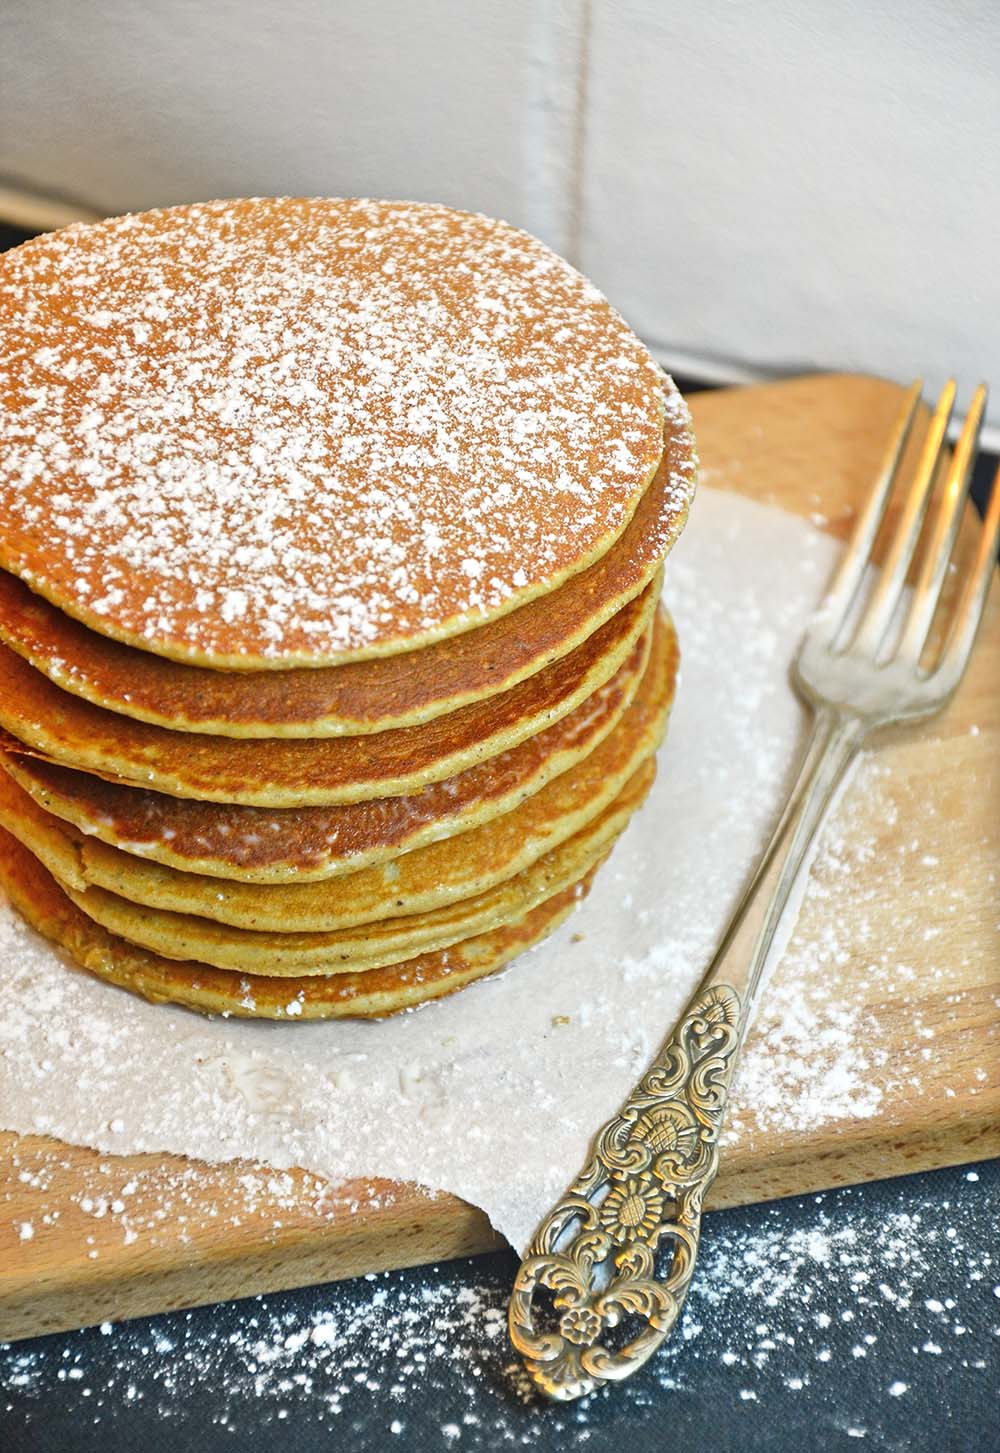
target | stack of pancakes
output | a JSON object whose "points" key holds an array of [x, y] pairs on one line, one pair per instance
{"points": [[331, 535]]}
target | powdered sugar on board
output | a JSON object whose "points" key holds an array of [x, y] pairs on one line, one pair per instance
{"points": [[493, 1094]]}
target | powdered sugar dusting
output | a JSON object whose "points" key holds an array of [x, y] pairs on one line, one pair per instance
{"points": [[829, 1050], [297, 429]]}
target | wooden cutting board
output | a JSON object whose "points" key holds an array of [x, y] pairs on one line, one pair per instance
{"points": [[120, 1237]]}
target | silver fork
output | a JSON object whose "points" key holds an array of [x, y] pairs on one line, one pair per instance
{"points": [[608, 1304]]}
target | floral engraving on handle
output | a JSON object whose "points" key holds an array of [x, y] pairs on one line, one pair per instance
{"points": [[639, 1196]]}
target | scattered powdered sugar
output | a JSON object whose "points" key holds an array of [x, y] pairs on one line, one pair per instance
{"points": [[827, 1048], [300, 427], [845, 1304], [818, 1054], [495, 1093]]}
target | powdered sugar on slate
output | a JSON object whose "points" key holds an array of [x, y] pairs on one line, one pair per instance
{"points": [[297, 429], [846, 1304]]}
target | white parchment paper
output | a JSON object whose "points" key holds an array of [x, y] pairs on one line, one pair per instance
{"points": [[494, 1093]]}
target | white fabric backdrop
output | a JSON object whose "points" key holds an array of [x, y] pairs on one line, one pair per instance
{"points": [[758, 185]]}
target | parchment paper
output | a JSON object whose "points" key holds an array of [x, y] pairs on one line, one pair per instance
{"points": [[494, 1093]]}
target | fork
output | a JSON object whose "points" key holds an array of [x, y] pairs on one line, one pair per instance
{"points": [[605, 1277]]}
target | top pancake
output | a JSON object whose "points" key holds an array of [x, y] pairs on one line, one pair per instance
{"points": [[362, 696], [272, 433]]}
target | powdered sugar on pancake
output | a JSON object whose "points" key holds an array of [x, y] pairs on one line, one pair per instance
{"points": [[309, 429]]}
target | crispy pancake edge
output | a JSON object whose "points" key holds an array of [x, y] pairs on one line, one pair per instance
{"points": [[491, 789], [448, 871], [37, 896]]}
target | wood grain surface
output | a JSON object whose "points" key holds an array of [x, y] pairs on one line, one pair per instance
{"points": [[121, 1237]]}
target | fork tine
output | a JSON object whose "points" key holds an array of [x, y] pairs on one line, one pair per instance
{"points": [[962, 637], [882, 605], [850, 571], [946, 525]]}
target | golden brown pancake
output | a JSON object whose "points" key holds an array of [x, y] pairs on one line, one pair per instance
{"points": [[286, 432], [377, 992], [418, 882], [369, 945], [297, 773], [362, 696], [289, 845]]}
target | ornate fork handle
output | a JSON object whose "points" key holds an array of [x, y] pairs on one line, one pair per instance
{"points": [[596, 1251], [614, 1258]]}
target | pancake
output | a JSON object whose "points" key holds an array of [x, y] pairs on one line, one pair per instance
{"points": [[419, 882], [310, 844], [371, 945], [362, 696], [40, 900], [298, 773], [287, 845], [280, 432]]}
